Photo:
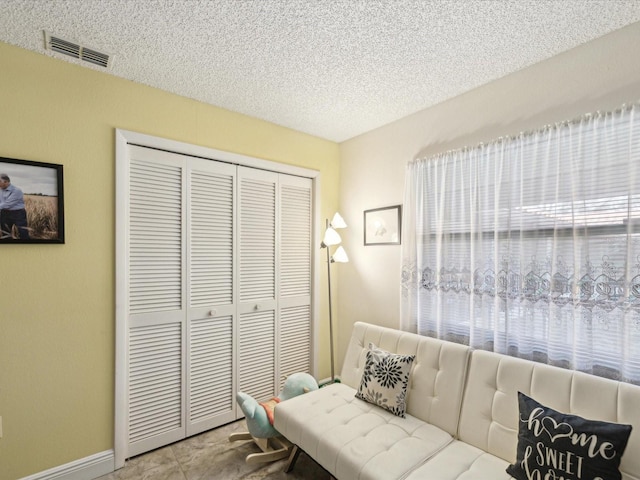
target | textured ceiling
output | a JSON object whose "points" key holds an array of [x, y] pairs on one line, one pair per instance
{"points": [[331, 68]]}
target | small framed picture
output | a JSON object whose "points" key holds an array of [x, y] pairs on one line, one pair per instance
{"points": [[31, 202], [382, 226]]}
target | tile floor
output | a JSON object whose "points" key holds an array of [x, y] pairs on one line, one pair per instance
{"points": [[210, 456]]}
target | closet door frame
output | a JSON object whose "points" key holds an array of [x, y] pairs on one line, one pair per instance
{"points": [[124, 138]]}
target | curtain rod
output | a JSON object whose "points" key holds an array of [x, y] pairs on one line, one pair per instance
{"points": [[624, 108]]}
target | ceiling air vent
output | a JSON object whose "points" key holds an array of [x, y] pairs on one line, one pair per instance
{"points": [[72, 49], [92, 56]]}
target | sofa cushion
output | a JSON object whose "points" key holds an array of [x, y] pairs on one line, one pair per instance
{"points": [[384, 380], [460, 461], [567, 445], [356, 440], [436, 383], [489, 416]]}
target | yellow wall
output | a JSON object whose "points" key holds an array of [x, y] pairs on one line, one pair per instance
{"points": [[57, 301]]}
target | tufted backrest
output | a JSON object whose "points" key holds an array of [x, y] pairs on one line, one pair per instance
{"points": [[489, 417], [437, 378]]}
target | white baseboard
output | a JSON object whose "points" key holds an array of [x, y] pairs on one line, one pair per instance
{"points": [[87, 468]]}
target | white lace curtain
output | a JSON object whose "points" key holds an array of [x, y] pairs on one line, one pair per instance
{"points": [[530, 245]]}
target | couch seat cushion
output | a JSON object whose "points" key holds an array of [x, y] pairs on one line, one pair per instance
{"points": [[461, 461], [355, 440]]}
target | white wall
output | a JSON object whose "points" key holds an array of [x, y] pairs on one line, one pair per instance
{"points": [[600, 75]]}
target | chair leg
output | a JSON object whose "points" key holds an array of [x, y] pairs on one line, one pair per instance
{"points": [[268, 456], [240, 436], [293, 457]]}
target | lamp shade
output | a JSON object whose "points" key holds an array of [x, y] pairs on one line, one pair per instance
{"points": [[338, 222], [340, 256], [331, 237]]}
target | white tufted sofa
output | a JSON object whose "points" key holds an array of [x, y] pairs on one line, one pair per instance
{"points": [[462, 412]]}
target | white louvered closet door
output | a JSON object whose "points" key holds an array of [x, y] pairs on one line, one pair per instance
{"points": [[294, 295], [257, 191], [156, 291], [211, 293], [218, 282]]}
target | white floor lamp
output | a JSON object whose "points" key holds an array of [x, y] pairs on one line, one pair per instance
{"points": [[332, 238]]}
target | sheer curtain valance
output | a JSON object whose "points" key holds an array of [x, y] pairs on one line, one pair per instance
{"points": [[530, 245]]}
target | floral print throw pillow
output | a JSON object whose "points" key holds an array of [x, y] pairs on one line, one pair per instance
{"points": [[384, 380]]}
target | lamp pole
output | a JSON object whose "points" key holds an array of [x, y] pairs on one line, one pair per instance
{"points": [[330, 310], [331, 237]]}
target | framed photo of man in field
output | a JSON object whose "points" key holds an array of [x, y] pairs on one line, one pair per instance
{"points": [[31, 202]]}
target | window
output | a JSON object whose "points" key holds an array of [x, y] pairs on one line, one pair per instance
{"points": [[530, 245]]}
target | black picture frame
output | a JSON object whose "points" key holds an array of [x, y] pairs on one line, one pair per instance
{"points": [[42, 185], [383, 226]]}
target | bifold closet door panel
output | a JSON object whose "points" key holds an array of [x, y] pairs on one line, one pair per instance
{"points": [[211, 209], [156, 310], [295, 274], [257, 257]]}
